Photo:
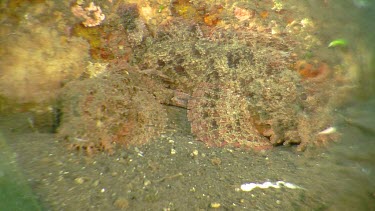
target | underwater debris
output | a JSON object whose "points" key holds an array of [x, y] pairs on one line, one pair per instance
{"points": [[277, 5], [329, 130], [247, 187], [243, 14], [313, 71], [92, 14], [264, 14]]}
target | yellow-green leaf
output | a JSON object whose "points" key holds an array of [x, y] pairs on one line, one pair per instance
{"points": [[338, 42]]}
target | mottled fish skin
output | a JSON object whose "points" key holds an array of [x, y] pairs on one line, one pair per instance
{"points": [[220, 115]]}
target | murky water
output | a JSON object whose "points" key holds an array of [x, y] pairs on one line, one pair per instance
{"points": [[178, 173]]}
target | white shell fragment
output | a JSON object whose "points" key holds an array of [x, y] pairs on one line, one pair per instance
{"points": [[328, 131], [247, 187]]}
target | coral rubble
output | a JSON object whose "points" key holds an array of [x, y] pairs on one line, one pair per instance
{"points": [[92, 14]]}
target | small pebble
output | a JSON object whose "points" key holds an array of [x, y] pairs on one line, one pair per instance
{"points": [[216, 161], [173, 151], [121, 203], [79, 180], [215, 205], [96, 183], [147, 182], [195, 152]]}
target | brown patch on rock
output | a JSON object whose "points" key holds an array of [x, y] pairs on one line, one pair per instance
{"points": [[315, 71]]}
